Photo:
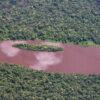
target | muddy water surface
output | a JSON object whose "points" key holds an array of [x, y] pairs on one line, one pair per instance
{"points": [[74, 59]]}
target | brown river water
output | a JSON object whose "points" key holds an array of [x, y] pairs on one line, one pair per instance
{"points": [[74, 59]]}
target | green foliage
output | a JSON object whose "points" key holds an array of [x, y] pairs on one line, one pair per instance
{"points": [[38, 47], [56, 20], [19, 83], [88, 43]]}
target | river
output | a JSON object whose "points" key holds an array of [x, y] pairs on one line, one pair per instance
{"points": [[74, 59]]}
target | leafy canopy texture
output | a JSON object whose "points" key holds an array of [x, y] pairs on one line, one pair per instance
{"points": [[57, 20], [19, 83]]}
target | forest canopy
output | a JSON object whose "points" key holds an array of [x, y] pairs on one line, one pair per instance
{"points": [[20, 83], [75, 21], [58, 20]]}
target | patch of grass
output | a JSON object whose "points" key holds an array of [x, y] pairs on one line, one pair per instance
{"points": [[88, 43]]}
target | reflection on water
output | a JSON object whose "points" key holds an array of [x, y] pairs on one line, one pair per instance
{"points": [[45, 59], [6, 47]]}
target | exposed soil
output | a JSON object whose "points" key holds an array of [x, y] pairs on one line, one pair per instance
{"points": [[74, 59]]}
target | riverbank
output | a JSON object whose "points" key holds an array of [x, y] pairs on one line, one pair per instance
{"points": [[83, 43]]}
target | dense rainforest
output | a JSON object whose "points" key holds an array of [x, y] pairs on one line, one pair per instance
{"points": [[57, 20], [75, 21], [19, 83], [38, 47]]}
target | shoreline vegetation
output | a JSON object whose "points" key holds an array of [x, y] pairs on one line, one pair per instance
{"points": [[17, 82], [88, 43], [83, 43], [38, 47]]}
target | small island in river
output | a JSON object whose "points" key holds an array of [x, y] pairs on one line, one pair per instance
{"points": [[38, 47]]}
